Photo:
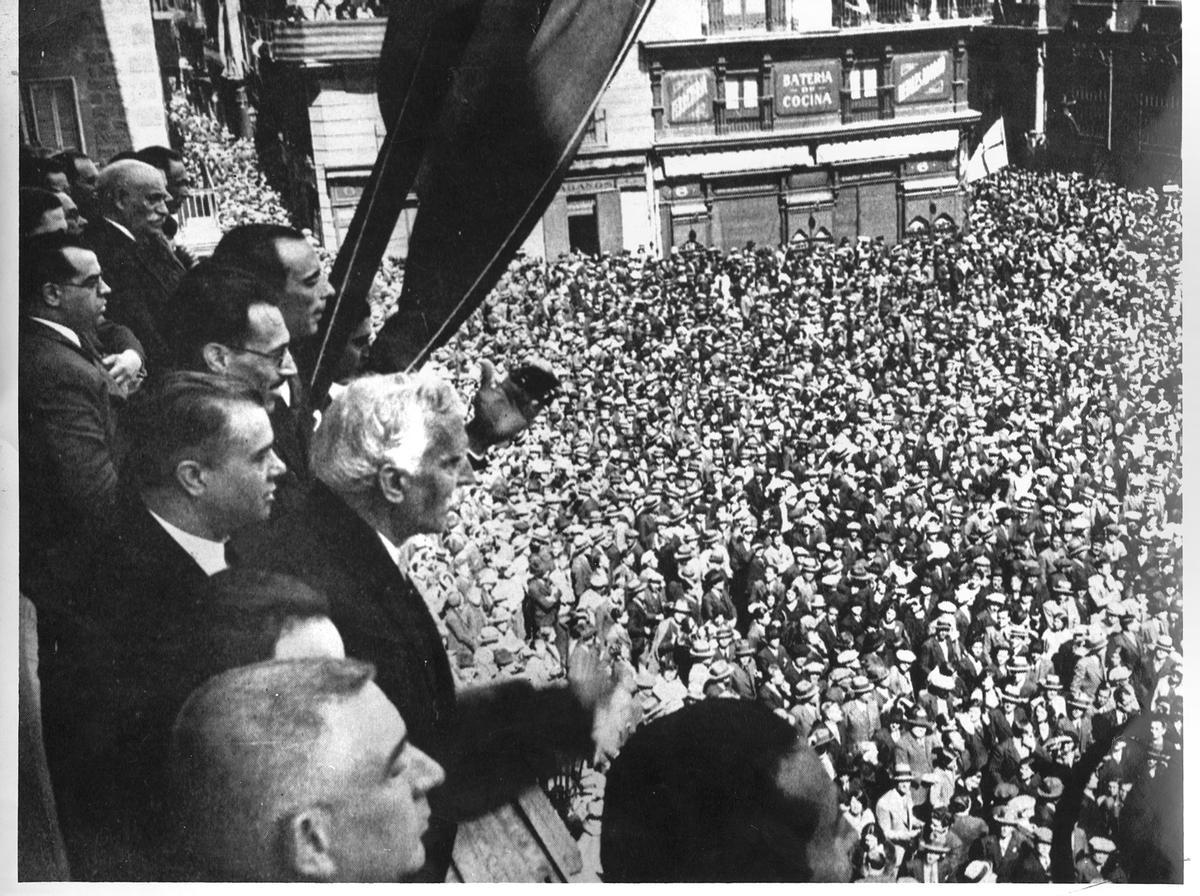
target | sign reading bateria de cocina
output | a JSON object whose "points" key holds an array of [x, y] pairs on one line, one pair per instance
{"points": [[689, 96], [807, 88], [922, 77]]}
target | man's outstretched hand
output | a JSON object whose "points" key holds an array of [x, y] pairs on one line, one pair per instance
{"points": [[504, 408]]}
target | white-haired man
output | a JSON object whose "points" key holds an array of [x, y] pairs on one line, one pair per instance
{"points": [[298, 770], [137, 263], [389, 457]]}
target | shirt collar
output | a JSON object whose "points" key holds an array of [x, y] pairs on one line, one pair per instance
{"points": [[59, 328], [121, 227], [393, 550], [208, 554]]}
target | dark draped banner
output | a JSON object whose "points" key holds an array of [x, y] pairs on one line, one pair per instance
{"points": [[486, 102]]}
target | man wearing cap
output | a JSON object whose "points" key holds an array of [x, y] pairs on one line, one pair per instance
{"points": [[899, 681], [1033, 867], [861, 711], [1006, 848], [894, 810], [939, 852], [744, 677], [1092, 864], [1087, 672]]}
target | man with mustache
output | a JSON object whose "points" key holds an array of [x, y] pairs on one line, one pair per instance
{"points": [[127, 238]]}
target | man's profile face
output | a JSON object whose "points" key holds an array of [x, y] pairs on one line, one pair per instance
{"points": [[179, 184], [306, 289], [81, 296], [142, 201], [86, 178], [378, 784], [241, 482], [432, 487], [263, 360]]}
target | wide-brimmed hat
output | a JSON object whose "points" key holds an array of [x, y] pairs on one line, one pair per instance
{"points": [[902, 771], [1051, 789], [941, 680], [979, 872]]}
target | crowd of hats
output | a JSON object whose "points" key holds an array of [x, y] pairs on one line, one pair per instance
{"points": [[936, 485]]}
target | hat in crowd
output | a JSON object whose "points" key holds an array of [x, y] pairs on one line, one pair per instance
{"points": [[1023, 803], [941, 680], [1051, 682], [681, 606], [1101, 844], [1118, 675], [820, 736], [1051, 789], [919, 718], [979, 872], [1019, 664], [1012, 694], [901, 771], [702, 649], [805, 691], [720, 671], [930, 846], [848, 657], [1006, 814], [502, 657], [904, 655], [745, 648], [860, 685], [489, 634], [597, 579]]}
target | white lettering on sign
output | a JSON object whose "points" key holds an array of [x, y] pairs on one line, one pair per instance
{"points": [[794, 80], [918, 80], [684, 102], [807, 101]]}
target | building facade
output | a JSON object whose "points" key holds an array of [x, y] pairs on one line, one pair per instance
{"points": [[89, 76]]}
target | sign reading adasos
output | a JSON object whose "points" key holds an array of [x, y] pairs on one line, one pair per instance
{"points": [[922, 77], [806, 88], [689, 96]]}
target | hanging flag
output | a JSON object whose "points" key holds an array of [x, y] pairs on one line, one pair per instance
{"points": [[424, 41], [990, 155], [522, 97]]}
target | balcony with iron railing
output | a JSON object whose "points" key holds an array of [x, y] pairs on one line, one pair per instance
{"points": [[168, 9], [732, 17], [323, 41]]}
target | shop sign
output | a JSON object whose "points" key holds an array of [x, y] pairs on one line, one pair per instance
{"points": [[689, 96], [806, 88], [922, 77]]}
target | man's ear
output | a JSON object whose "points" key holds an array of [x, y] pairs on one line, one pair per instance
{"points": [[308, 845], [51, 295], [216, 357], [393, 483], [190, 476]]}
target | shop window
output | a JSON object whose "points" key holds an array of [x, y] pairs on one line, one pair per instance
{"points": [[741, 95], [918, 226], [864, 82], [52, 114]]}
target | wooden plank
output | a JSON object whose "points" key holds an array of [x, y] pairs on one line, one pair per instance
{"points": [[548, 827], [499, 847]]}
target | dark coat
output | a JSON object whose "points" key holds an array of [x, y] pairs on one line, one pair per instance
{"points": [[143, 277], [492, 741], [67, 429], [116, 617]]}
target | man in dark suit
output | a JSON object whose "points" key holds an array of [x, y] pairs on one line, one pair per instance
{"points": [[67, 421], [226, 323], [136, 259], [118, 609], [389, 456]]}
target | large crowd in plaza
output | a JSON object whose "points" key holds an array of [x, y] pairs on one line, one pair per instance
{"points": [[920, 501], [924, 500]]}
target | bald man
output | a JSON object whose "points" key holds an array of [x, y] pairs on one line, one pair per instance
{"points": [[137, 262], [298, 770]]}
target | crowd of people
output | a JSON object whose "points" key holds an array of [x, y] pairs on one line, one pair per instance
{"points": [[921, 501]]}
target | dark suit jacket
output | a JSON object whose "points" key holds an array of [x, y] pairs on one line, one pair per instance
{"points": [[67, 429], [143, 277], [491, 740], [293, 427], [116, 615]]}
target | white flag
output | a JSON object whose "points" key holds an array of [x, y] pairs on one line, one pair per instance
{"points": [[990, 155]]}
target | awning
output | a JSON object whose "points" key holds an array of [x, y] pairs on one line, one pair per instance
{"points": [[901, 146], [810, 197], [680, 209], [928, 184], [734, 160]]}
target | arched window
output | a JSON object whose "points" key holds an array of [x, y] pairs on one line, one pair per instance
{"points": [[944, 224], [822, 236], [918, 226], [799, 238]]}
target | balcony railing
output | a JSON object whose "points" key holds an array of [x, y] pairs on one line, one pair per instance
{"points": [[804, 16], [321, 41]]}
